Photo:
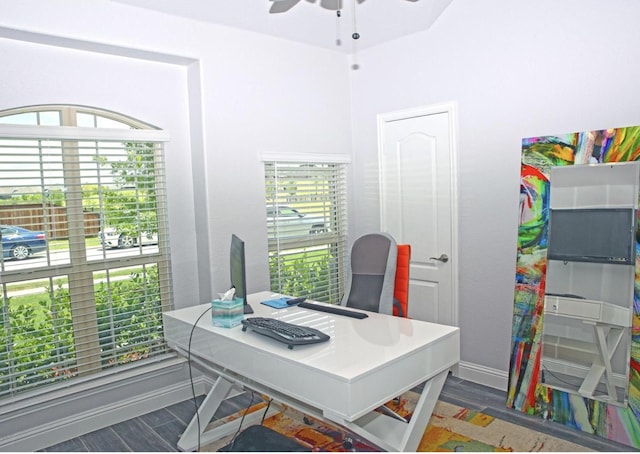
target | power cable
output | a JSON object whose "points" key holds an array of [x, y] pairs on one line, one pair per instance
{"points": [[193, 389]]}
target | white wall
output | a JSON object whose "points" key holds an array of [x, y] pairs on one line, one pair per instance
{"points": [[224, 95], [515, 70]]}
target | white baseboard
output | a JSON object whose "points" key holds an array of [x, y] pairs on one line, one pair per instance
{"points": [[483, 375], [64, 424]]}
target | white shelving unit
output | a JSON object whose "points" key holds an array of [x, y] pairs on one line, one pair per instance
{"points": [[588, 305]]}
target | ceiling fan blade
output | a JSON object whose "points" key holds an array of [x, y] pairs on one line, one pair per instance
{"points": [[282, 6], [333, 5]]}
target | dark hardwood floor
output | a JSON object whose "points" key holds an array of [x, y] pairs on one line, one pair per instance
{"points": [[160, 430]]}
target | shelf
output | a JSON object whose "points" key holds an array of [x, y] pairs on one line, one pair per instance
{"points": [[595, 186], [588, 310], [569, 350]]}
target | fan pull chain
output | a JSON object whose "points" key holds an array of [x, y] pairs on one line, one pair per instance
{"points": [[356, 36], [338, 16]]}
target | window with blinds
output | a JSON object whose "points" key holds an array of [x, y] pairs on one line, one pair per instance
{"points": [[84, 272], [307, 228]]}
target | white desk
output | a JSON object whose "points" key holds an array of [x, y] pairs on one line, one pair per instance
{"points": [[365, 364]]}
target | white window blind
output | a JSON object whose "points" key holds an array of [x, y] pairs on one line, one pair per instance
{"points": [[307, 228], [76, 305]]}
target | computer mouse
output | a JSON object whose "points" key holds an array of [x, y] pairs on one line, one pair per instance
{"points": [[293, 301]]}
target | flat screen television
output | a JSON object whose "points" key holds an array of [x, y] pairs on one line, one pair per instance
{"points": [[239, 271], [600, 235]]}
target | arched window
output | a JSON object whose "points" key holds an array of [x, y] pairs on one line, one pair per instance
{"points": [[84, 270]]}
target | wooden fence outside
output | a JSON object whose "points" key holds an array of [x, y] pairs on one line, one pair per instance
{"points": [[49, 218]]}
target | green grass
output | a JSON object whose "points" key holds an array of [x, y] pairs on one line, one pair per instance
{"points": [[42, 283], [26, 300], [33, 298], [61, 245]]}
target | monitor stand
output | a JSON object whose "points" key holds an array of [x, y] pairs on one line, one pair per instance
{"points": [[248, 309]]}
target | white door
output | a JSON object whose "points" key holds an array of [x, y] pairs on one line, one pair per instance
{"points": [[418, 204]]}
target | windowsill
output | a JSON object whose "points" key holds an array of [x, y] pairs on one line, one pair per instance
{"points": [[83, 385]]}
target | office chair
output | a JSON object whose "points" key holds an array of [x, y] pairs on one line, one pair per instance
{"points": [[371, 283], [371, 280]]}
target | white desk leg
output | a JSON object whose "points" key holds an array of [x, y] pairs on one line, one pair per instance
{"points": [[422, 412], [195, 430], [607, 340], [393, 435], [196, 435]]}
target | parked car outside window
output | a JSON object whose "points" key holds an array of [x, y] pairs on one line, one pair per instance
{"points": [[112, 238], [285, 221], [19, 243]]}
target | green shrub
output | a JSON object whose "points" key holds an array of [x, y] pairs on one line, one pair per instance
{"points": [[311, 277], [37, 339]]}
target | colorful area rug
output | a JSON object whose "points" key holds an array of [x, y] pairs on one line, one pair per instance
{"points": [[450, 429]]}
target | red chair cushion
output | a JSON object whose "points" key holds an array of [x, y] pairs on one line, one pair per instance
{"points": [[401, 289]]}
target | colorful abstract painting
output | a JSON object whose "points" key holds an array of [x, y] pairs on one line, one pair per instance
{"points": [[539, 155]]}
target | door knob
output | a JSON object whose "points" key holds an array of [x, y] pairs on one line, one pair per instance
{"points": [[444, 258]]}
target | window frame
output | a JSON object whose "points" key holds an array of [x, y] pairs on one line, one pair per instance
{"points": [[284, 244], [69, 136]]}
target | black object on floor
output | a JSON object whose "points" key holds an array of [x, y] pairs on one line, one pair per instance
{"points": [[262, 439]]}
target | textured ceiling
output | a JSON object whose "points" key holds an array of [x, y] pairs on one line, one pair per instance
{"points": [[376, 21]]}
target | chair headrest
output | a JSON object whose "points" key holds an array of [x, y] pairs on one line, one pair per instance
{"points": [[369, 253]]}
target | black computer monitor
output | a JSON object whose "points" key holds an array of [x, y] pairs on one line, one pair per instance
{"points": [[601, 235], [238, 271]]}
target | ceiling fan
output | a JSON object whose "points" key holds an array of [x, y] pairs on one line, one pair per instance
{"points": [[281, 6]]}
